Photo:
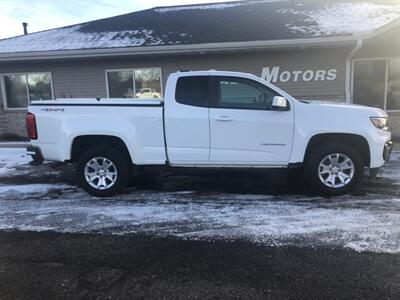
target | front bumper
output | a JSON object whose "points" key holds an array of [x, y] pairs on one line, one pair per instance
{"points": [[387, 151]]}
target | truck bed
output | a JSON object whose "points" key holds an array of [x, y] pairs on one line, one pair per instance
{"points": [[136, 122]]}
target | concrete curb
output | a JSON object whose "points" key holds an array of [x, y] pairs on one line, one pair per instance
{"points": [[14, 144]]}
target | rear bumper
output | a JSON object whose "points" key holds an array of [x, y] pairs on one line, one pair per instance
{"points": [[36, 154]]}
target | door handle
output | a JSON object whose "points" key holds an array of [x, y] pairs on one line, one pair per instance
{"points": [[224, 118]]}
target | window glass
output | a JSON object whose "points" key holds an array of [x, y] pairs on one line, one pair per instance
{"points": [[369, 82], [39, 86], [148, 83], [393, 89], [243, 94], [193, 90], [16, 92], [120, 84]]}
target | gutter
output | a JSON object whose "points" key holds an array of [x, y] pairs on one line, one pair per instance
{"points": [[176, 49], [348, 69]]}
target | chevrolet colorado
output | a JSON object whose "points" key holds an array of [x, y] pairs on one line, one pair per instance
{"points": [[210, 119]]}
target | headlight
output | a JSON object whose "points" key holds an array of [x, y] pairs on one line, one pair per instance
{"points": [[380, 123]]}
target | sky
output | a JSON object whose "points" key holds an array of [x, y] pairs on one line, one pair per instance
{"points": [[48, 14]]}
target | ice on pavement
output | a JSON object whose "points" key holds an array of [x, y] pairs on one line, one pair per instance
{"points": [[10, 190], [10, 158], [364, 223], [369, 224]]}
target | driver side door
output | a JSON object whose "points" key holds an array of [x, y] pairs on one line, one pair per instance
{"points": [[244, 127]]}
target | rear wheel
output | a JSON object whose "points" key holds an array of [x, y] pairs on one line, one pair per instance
{"points": [[103, 171], [334, 168]]}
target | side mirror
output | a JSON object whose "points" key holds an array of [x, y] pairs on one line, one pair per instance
{"points": [[279, 103]]}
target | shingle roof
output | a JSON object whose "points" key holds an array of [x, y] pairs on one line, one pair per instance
{"points": [[251, 20]]}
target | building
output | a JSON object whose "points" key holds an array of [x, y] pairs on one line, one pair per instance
{"points": [[343, 51]]}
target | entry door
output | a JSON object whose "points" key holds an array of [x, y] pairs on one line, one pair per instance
{"points": [[187, 126], [245, 129]]}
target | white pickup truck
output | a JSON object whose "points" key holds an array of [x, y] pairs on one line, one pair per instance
{"points": [[210, 119]]}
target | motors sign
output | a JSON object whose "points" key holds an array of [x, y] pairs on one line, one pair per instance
{"points": [[274, 74]]}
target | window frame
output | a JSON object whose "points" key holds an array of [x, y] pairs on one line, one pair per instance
{"points": [[387, 60], [133, 79], [214, 93], [4, 94]]}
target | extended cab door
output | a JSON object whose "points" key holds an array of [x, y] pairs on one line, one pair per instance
{"points": [[245, 128], [187, 127]]}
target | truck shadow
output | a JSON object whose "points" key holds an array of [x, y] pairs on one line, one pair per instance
{"points": [[273, 182]]}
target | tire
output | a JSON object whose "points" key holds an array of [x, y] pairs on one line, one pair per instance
{"points": [[110, 174], [339, 179]]}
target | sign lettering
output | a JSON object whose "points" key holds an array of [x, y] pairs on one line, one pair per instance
{"points": [[274, 74]]}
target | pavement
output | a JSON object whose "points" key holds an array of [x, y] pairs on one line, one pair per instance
{"points": [[51, 265], [195, 235]]}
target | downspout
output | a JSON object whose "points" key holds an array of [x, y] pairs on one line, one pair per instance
{"points": [[348, 69]]}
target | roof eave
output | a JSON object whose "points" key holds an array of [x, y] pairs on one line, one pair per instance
{"points": [[177, 49]]}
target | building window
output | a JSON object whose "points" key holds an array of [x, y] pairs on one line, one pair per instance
{"points": [[134, 83], [376, 83], [20, 89]]}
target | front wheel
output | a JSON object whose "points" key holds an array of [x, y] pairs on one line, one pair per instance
{"points": [[103, 171], [334, 168]]}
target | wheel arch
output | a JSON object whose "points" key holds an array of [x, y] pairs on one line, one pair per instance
{"points": [[82, 143], [358, 142]]}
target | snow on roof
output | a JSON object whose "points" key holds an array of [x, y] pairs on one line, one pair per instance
{"points": [[343, 18], [252, 20], [211, 6], [70, 38]]}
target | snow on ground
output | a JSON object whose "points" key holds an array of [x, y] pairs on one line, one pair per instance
{"points": [[392, 171], [10, 158], [364, 223], [343, 18], [369, 224], [10, 190]]}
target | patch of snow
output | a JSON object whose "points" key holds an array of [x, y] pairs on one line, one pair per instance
{"points": [[343, 18], [367, 224], [392, 170], [6, 190], [11, 158], [210, 6], [197, 7], [69, 38]]}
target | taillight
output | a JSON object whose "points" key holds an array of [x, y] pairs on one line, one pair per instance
{"points": [[31, 126]]}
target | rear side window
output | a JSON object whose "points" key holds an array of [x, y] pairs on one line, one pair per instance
{"points": [[193, 90]]}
